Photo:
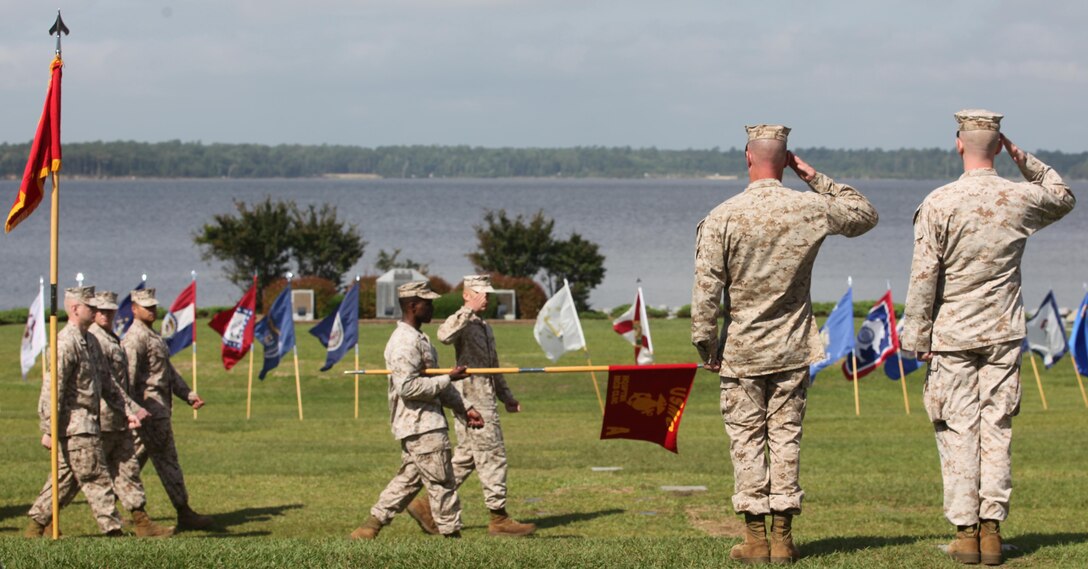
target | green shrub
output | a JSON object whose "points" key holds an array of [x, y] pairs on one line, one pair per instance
{"points": [[684, 311]]}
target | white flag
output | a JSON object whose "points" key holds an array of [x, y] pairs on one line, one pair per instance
{"points": [[635, 327], [558, 329], [1046, 332], [34, 333]]}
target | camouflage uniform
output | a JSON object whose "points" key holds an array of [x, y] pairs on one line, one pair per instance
{"points": [[964, 304], [759, 248], [80, 390], [483, 449], [417, 421], [118, 444], [154, 379]]}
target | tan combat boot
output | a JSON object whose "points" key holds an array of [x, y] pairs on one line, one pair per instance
{"points": [[989, 542], [146, 528], [420, 510], [34, 529], [369, 529], [188, 519], [502, 524], [965, 547], [782, 549], [754, 549]]}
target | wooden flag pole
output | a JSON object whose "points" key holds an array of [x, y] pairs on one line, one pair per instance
{"points": [[249, 389], [1038, 380], [497, 370], [1080, 381], [593, 374], [298, 381], [193, 274], [54, 231], [356, 379], [857, 400], [903, 380]]}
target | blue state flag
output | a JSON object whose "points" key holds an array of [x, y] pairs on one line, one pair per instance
{"points": [[837, 333], [339, 331], [1078, 341], [122, 319], [910, 361], [276, 332], [877, 339]]}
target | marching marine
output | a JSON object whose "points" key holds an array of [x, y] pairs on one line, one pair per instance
{"points": [[482, 450], [80, 389], [758, 248], [154, 381], [417, 420], [965, 315], [118, 442]]}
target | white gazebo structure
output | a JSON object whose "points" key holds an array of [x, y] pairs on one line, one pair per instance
{"points": [[386, 304]]}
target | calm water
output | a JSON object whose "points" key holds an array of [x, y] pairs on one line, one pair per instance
{"points": [[115, 230]]}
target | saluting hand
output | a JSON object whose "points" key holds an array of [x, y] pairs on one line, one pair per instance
{"points": [[1017, 155], [803, 170], [475, 301]]}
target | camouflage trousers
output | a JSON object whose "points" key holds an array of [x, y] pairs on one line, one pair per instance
{"points": [[119, 448], [425, 462], [971, 398], [482, 450], [155, 440], [81, 466], [763, 420]]}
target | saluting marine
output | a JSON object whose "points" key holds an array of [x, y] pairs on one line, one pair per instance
{"points": [[758, 248], [482, 450], [965, 315]]}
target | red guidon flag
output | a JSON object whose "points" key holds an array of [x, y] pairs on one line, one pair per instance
{"points": [[44, 153], [646, 402], [236, 327]]}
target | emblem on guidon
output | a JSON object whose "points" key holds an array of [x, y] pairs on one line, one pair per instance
{"points": [[871, 335], [236, 329], [336, 335], [169, 326]]}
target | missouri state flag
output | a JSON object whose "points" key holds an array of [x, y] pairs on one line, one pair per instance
{"points": [[646, 402], [634, 326], [876, 340], [178, 327], [44, 152], [236, 327], [276, 331], [339, 331]]}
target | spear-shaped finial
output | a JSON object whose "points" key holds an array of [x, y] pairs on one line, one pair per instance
{"points": [[58, 27]]}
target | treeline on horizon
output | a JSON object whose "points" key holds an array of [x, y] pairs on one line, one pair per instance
{"points": [[176, 159]]}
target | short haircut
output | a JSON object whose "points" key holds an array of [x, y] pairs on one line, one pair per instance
{"points": [[768, 151], [983, 143]]}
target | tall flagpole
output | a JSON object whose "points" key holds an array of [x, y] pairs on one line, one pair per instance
{"points": [[45, 352], [54, 235], [585, 349], [357, 340], [193, 274], [294, 353], [857, 400], [1038, 380], [899, 360]]}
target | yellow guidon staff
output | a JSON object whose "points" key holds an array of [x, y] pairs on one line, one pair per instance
{"points": [[489, 370]]}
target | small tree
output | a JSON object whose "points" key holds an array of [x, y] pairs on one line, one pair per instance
{"points": [[256, 241], [514, 247], [580, 262], [322, 245]]}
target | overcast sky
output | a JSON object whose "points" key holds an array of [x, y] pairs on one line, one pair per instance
{"points": [[682, 74]]}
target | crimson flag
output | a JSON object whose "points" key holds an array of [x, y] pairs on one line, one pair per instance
{"points": [[236, 327], [646, 402], [44, 153]]}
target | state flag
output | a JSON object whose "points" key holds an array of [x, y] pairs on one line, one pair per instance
{"points": [[1078, 341], [236, 327], [122, 319], [837, 333], [646, 403], [34, 332], [558, 329], [339, 331], [178, 327], [876, 340], [634, 326], [44, 152], [1046, 332], [276, 331]]}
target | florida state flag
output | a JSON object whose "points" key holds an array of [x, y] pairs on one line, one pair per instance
{"points": [[44, 153], [646, 402], [236, 327]]}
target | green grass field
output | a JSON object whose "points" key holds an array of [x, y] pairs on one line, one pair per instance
{"points": [[287, 493]]}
